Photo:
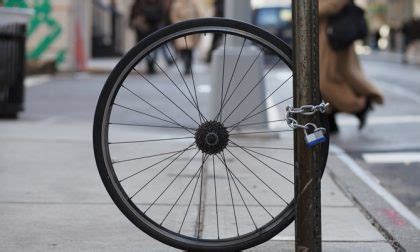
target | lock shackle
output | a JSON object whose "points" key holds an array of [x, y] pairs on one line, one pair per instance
{"points": [[313, 125]]}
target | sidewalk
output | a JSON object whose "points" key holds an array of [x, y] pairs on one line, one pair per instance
{"points": [[53, 199]]}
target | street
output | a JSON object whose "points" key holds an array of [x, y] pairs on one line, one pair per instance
{"points": [[390, 140]]}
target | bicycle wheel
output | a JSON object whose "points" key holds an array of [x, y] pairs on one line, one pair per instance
{"points": [[194, 165]]}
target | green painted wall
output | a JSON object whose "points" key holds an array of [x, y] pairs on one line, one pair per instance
{"points": [[43, 17]]}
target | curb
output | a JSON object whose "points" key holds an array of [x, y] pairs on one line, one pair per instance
{"points": [[399, 232]]}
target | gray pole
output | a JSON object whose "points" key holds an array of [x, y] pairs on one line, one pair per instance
{"points": [[306, 91], [223, 60], [239, 10]]}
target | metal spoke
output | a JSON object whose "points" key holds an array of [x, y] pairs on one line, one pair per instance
{"points": [[149, 167], [155, 174], [275, 105], [182, 76], [191, 199], [215, 196], [262, 181], [261, 132], [234, 70], [256, 152], [257, 147], [240, 82], [231, 194], [150, 140], [250, 124], [198, 172], [151, 105], [223, 78], [243, 201], [149, 126], [173, 180], [152, 116], [176, 86], [150, 156], [169, 99], [160, 172], [266, 165], [253, 88], [193, 81], [271, 94], [249, 192]]}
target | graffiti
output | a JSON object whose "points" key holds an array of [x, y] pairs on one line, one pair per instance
{"points": [[42, 17]]}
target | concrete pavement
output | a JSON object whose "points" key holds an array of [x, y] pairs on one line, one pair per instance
{"points": [[52, 199], [51, 196]]}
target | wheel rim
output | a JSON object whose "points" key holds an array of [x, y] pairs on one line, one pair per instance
{"points": [[216, 157]]}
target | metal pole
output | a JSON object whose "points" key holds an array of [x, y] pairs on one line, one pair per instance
{"points": [[239, 10], [306, 91]]}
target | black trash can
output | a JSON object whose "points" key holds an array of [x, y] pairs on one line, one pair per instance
{"points": [[12, 69]]}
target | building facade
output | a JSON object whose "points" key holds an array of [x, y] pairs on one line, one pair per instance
{"points": [[72, 32]]}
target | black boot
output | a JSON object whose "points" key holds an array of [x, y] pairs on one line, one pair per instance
{"points": [[362, 115], [150, 66]]}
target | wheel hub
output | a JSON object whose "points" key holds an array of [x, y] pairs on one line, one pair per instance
{"points": [[211, 137]]}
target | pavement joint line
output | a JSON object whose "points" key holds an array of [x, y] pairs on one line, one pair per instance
{"points": [[199, 225], [375, 186]]}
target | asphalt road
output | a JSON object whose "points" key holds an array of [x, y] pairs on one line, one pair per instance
{"points": [[389, 147]]}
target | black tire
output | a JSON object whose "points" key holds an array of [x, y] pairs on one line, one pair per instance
{"points": [[100, 139]]}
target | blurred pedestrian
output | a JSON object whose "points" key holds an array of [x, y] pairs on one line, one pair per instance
{"points": [[219, 11], [411, 32], [183, 10], [167, 4], [342, 81], [166, 21], [146, 17]]}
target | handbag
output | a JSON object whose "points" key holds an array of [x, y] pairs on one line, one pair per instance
{"points": [[346, 27]]}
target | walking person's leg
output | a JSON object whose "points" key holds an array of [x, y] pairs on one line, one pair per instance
{"points": [[151, 63], [214, 43], [166, 55], [186, 55]]}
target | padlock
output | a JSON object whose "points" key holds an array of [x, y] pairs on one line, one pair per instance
{"points": [[315, 137]]}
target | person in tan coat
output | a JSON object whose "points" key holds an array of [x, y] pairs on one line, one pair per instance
{"points": [[342, 81], [182, 10]]}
